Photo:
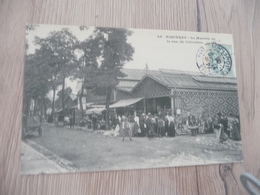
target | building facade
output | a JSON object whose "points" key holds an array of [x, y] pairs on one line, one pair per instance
{"points": [[175, 92], [179, 92]]}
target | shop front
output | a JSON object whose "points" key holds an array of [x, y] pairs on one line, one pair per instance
{"points": [[96, 118], [128, 106], [178, 94]]}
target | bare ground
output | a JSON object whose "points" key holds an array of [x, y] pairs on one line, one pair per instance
{"points": [[85, 150]]}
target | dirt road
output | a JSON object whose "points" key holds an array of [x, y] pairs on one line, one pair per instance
{"points": [[33, 162], [90, 151]]}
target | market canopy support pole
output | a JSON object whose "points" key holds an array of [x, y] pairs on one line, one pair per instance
{"points": [[172, 105], [172, 102], [144, 105]]}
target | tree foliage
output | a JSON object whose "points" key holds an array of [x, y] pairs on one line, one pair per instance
{"points": [[91, 50], [36, 80], [29, 28], [51, 63], [115, 51], [58, 53], [66, 93], [56, 58], [59, 49]]}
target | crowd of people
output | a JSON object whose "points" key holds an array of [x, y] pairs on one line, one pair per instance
{"points": [[225, 127], [164, 124], [148, 125]]}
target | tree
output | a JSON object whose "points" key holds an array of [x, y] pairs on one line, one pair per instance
{"points": [[58, 51], [115, 52], [36, 82], [60, 94], [91, 49], [29, 28]]}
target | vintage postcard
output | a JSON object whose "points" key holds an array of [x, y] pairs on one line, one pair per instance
{"points": [[100, 99]]}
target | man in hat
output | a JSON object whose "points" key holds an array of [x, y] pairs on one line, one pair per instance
{"points": [[142, 122], [149, 124], [71, 121], [94, 121], [125, 125]]}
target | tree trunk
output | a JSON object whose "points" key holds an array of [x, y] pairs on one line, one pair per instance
{"points": [[28, 106], [41, 107], [80, 103], [53, 104], [62, 96], [80, 98], [109, 92], [53, 98], [35, 106], [44, 108]]}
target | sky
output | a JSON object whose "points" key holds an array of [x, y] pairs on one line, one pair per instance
{"points": [[156, 49]]}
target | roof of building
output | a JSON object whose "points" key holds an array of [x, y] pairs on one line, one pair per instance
{"points": [[136, 74], [170, 79], [189, 81], [176, 78], [127, 85]]}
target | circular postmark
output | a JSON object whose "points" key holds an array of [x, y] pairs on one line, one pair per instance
{"points": [[213, 59]]}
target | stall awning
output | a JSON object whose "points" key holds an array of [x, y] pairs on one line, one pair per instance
{"points": [[95, 111], [72, 107], [126, 102], [60, 110]]}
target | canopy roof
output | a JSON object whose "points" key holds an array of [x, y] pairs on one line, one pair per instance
{"points": [[126, 102], [94, 111]]}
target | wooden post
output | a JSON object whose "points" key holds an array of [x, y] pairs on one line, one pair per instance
{"points": [[172, 105], [144, 102], [172, 102], [154, 105]]}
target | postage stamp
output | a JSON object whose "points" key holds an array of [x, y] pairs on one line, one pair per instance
{"points": [[214, 59]]}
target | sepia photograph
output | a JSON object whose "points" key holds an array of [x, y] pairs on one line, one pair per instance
{"points": [[101, 99]]}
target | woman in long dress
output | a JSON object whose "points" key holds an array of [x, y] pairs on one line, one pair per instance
{"points": [[219, 128], [136, 126], [167, 124], [161, 124], [233, 123], [171, 127], [192, 124]]}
